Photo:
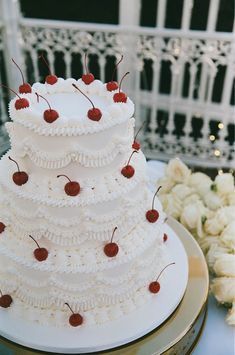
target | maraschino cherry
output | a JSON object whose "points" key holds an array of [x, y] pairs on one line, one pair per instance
{"points": [[51, 78], [75, 319], [152, 215], [136, 144], [2, 227], [40, 254], [25, 88], [120, 96], [128, 171], [88, 77], [155, 286], [72, 188], [21, 102], [94, 114], [5, 300], [19, 177], [113, 85], [111, 249], [49, 115]]}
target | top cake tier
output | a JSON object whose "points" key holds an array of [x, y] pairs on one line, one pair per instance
{"points": [[72, 107]]}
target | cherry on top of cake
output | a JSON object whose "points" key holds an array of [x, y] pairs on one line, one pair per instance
{"points": [[56, 103]]}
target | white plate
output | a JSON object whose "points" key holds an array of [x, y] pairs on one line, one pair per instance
{"points": [[112, 334]]}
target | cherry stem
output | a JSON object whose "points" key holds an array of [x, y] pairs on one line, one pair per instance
{"points": [[165, 220], [134, 151], [43, 99], [115, 68], [85, 62], [44, 60], [64, 176], [122, 80], [11, 90], [139, 130], [19, 70], [1, 293], [113, 234], [69, 307], [15, 163], [164, 269], [155, 196], [84, 95], [35, 241]]}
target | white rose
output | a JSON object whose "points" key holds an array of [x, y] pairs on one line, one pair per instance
{"points": [[225, 215], [190, 199], [224, 183], [231, 315], [191, 214], [213, 201], [207, 242], [182, 191], [213, 226], [177, 171], [215, 251], [228, 235], [231, 199], [171, 205], [225, 265], [166, 185], [201, 183], [224, 289], [199, 227]]}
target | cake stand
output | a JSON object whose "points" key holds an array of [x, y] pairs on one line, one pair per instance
{"points": [[180, 326]]}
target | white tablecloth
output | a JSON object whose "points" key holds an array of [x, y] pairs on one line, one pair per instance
{"points": [[218, 338]]}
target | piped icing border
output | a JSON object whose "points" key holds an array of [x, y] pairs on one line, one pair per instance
{"points": [[64, 231], [29, 117], [94, 190], [52, 312], [83, 260], [71, 153], [54, 293]]}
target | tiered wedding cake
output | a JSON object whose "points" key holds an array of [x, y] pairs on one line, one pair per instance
{"points": [[98, 242]]}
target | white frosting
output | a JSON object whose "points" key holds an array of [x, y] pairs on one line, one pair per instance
{"points": [[95, 150], [75, 229], [72, 107]]}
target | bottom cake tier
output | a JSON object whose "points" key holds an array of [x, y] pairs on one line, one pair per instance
{"points": [[112, 298], [135, 317]]}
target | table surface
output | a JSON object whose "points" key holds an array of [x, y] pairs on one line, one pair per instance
{"points": [[218, 338]]}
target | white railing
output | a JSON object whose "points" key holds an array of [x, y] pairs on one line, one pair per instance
{"points": [[195, 55]]}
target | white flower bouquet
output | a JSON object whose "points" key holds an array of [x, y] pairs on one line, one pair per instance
{"points": [[207, 209]]}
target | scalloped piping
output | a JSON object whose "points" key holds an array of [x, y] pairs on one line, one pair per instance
{"points": [[109, 187], [101, 262], [103, 297], [92, 231], [42, 212], [84, 157], [99, 279]]}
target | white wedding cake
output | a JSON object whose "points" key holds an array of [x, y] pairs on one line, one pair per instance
{"points": [[81, 238]]}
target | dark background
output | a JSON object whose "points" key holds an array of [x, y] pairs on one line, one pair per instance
{"points": [[106, 11]]}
